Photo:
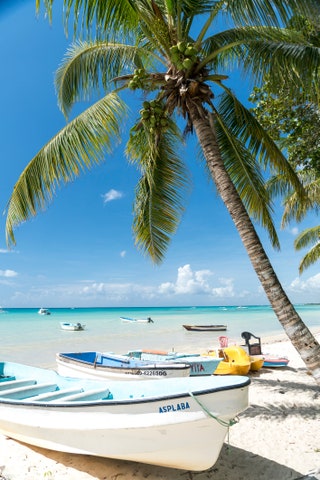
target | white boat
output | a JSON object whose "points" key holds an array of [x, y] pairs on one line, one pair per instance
{"points": [[44, 311], [136, 320], [199, 364], [118, 367], [72, 326], [177, 423]]}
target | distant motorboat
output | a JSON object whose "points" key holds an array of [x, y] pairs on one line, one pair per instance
{"points": [[205, 328], [44, 311], [118, 367], [176, 423], [72, 326], [136, 320]]}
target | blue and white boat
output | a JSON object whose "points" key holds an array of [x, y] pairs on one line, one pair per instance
{"points": [[44, 311], [109, 365], [75, 327], [199, 364], [136, 320], [177, 423]]}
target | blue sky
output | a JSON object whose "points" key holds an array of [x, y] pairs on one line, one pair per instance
{"points": [[80, 251]]}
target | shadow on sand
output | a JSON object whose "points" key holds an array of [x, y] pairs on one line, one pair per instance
{"points": [[233, 464]]}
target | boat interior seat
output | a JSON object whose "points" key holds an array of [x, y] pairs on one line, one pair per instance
{"points": [[27, 391], [98, 394], [55, 395], [6, 384], [253, 348]]}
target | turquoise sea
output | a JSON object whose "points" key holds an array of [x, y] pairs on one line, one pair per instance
{"points": [[27, 337]]}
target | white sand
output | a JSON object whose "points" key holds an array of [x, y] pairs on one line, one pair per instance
{"points": [[277, 438]]}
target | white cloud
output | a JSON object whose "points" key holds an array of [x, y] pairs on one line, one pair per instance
{"points": [[191, 283], [3, 250], [226, 290], [8, 273], [294, 231], [111, 195], [312, 284], [123, 254]]}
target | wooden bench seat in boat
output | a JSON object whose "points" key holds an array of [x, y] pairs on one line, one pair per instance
{"points": [[20, 393], [5, 385], [86, 395], [50, 396]]}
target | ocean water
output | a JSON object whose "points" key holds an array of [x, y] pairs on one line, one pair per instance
{"points": [[27, 337]]}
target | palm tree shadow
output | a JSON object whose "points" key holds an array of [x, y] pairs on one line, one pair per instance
{"points": [[233, 464]]}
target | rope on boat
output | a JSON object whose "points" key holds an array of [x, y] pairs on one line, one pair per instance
{"points": [[224, 423]]}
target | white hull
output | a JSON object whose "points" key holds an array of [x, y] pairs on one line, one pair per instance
{"points": [[77, 370], [135, 320], [169, 428], [72, 327]]}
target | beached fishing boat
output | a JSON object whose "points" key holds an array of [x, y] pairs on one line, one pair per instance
{"points": [[199, 364], [118, 367], [205, 328], [178, 423], [74, 327], [136, 320]]}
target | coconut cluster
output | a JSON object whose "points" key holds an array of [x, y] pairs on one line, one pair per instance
{"points": [[138, 78], [153, 115], [183, 55]]}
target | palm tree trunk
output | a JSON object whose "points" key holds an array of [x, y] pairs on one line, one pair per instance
{"points": [[298, 333]]}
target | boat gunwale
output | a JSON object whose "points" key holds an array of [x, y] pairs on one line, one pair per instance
{"points": [[136, 401], [179, 366]]}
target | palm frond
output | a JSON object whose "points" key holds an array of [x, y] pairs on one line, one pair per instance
{"points": [[158, 203], [243, 125], [247, 177], [295, 206], [89, 66], [308, 237], [272, 13], [78, 146]]}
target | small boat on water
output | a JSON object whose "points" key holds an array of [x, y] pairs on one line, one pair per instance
{"points": [[44, 311], [205, 328], [199, 364], [118, 367], [75, 327], [177, 423], [136, 320]]}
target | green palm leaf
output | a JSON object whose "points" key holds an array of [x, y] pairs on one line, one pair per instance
{"points": [[78, 146], [159, 193], [88, 66], [306, 238]]}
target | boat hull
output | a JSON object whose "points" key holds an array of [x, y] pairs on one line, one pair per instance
{"points": [[136, 320], [205, 328], [199, 365], [98, 366], [275, 361], [182, 424], [72, 327]]}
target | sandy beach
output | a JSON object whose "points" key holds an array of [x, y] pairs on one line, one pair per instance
{"points": [[276, 438]]}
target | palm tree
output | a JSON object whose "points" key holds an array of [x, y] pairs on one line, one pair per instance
{"points": [[169, 52]]}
